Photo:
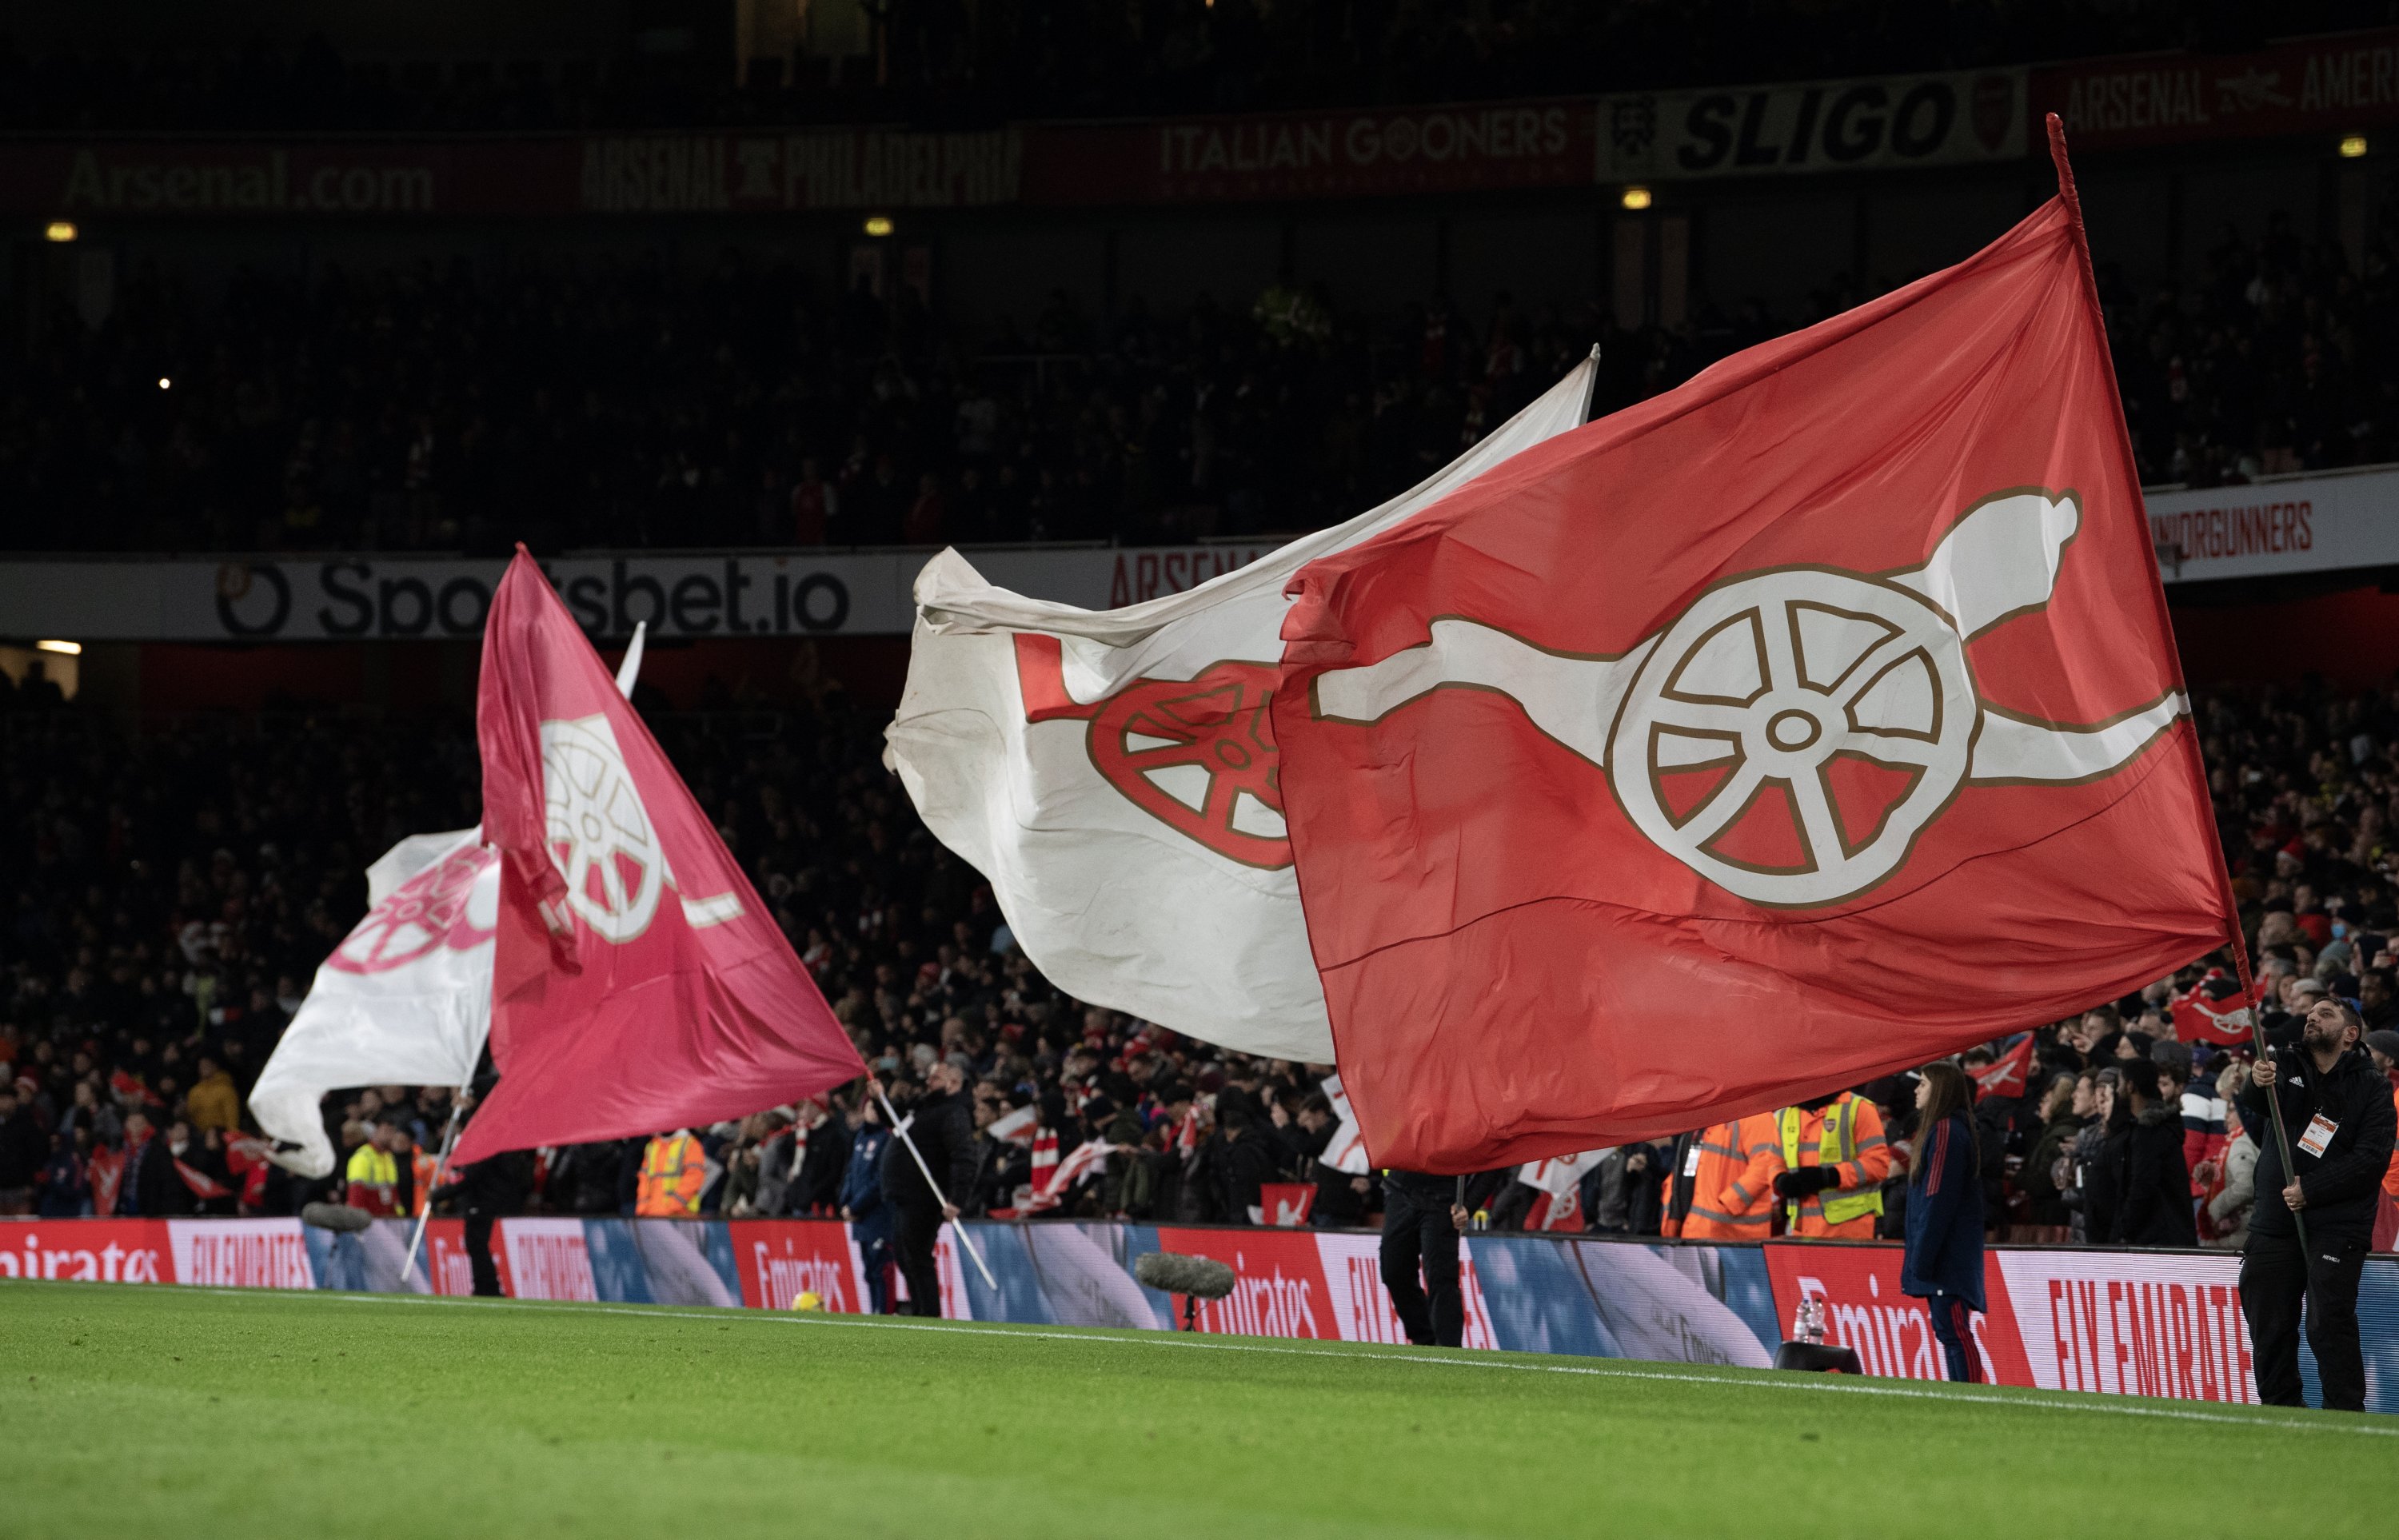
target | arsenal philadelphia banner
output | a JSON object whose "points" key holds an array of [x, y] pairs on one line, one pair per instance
{"points": [[1113, 774], [638, 984], [1804, 723]]}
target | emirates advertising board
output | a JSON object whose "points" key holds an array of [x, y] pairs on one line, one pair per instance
{"points": [[2140, 1323]]}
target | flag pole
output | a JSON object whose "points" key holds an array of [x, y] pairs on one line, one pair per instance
{"points": [[2234, 940], [964, 1239], [425, 1214]]}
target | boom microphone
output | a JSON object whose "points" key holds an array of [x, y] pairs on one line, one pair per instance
{"points": [[335, 1216], [1195, 1278], [1172, 1272]]}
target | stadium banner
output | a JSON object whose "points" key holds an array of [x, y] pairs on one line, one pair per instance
{"points": [[2322, 85], [2318, 523], [512, 176], [1891, 121], [2069, 1318], [2134, 1323], [745, 593], [1367, 153], [88, 1251]]}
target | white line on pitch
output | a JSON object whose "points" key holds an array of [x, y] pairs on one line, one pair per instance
{"points": [[1826, 1384]]}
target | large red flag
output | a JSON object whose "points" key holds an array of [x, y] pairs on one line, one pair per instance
{"points": [[1806, 723], [639, 983]]}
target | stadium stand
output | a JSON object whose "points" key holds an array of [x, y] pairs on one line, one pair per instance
{"points": [[954, 63], [181, 882], [628, 404]]}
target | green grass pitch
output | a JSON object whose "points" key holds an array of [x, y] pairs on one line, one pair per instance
{"points": [[194, 1413]]}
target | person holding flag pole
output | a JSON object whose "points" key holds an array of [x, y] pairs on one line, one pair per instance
{"points": [[440, 1167], [923, 1213]]}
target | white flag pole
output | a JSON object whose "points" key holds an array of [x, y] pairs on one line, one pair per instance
{"points": [[425, 1214], [964, 1239]]}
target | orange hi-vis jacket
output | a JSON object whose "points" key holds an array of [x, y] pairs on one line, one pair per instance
{"points": [[1859, 1151], [1731, 1170], [674, 1168], [424, 1164]]}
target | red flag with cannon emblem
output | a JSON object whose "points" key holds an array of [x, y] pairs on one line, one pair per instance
{"points": [[1806, 723], [639, 984]]}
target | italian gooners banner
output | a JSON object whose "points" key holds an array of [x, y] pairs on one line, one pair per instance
{"points": [[638, 983], [1113, 773], [1798, 725]]}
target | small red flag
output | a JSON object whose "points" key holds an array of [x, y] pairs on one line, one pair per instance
{"points": [[2005, 1075], [2214, 1011], [639, 983]]}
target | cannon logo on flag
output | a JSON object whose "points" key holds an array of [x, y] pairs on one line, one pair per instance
{"points": [[438, 907], [1790, 732], [1195, 754]]}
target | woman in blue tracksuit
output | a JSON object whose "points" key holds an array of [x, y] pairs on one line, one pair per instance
{"points": [[1944, 1263], [863, 1205]]}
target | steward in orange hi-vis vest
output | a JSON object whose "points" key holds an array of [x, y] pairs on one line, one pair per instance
{"points": [[674, 1168], [1729, 1175], [1835, 1158]]}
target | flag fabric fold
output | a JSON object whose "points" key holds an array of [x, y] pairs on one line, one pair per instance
{"points": [[1114, 775], [406, 998], [639, 983], [1806, 723]]}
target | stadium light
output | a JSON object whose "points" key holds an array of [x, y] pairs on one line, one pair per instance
{"points": [[69, 649], [1636, 197], [59, 230], [2353, 147], [878, 226]]}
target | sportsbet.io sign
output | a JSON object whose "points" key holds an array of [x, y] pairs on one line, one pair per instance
{"points": [[705, 596], [754, 594]]}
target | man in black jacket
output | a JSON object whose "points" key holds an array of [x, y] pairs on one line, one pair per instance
{"points": [[2153, 1204], [2341, 1120], [942, 1126], [1421, 1222], [489, 1190]]}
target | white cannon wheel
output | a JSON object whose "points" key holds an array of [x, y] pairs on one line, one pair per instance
{"points": [[605, 846], [1765, 682]]}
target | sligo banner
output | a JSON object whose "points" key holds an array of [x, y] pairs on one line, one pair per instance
{"points": [[1815, 126], [2317, 522], [753, 593], [2322, 85]]}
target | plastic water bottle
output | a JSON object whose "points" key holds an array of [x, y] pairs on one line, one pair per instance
{"points": [[1808, 1321]]}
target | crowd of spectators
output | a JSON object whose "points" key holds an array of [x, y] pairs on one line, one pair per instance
{"points": [[178, 886], [625, 404], [1032, 59], [2266, 360], [628, 404]]}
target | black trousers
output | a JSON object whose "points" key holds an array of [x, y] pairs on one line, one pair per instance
{"points": [[1416, 1231], [912, 1242], [2275, 1278], [479, 1252]]}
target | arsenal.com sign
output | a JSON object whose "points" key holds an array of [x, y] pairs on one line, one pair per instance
{"points": [[698, 594]]}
